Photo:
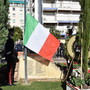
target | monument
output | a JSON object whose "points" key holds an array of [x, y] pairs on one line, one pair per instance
{"points": [[38, 68]]}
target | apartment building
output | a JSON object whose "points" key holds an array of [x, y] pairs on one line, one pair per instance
{"points": [[61, 13], [57, 13], [16, 13]]}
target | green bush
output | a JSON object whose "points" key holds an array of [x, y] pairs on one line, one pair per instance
{"points": [[87, 79], [76, 66], [77, 81]]}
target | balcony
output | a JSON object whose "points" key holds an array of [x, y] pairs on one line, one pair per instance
{"points": [[68, 18], [71, 6], [61, 19], [51, 7], [49, 19]]}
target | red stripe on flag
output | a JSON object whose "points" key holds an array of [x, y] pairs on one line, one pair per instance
{"points": [[49, 48]]}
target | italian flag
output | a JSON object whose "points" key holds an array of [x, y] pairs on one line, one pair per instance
{"points": [[38, 39]]}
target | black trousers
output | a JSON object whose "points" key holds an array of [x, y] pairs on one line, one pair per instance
{"points": [[10, 72]]}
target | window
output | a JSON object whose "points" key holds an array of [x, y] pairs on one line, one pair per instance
{"points": [[21, 9], [22, 27], [28, 10], [13, 14], [13, 9], [21, 15], [21, 21], [13, 20]]}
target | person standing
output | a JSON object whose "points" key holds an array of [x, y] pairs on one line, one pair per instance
{"points": [[10, 57]]}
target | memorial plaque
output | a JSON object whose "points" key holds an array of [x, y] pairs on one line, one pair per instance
{"points": [[31, 68], [40, 69]]}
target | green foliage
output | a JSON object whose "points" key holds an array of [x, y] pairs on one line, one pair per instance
{"points": [[85, 33], [77, 81], [4, 8], [76, 66], [55, 32], [18, 34], [88, 62], [2, 64], [87, 79]]}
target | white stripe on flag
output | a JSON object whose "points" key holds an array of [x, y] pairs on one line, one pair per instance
{"points": [[37, 38]]}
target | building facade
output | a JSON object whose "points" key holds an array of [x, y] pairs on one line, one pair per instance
{"points": [[57, 13], [61, 13], [16, 13]]}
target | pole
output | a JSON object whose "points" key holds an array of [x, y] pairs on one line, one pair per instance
{"points": [[25, 49]]}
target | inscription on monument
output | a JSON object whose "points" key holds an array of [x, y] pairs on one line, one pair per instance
{"points": [[40, 69], [31, 67]]}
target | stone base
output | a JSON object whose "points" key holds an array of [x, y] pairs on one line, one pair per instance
{"points": [[39, 69]]}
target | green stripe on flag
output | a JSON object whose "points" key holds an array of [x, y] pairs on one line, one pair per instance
{"points": [[31, 24]]}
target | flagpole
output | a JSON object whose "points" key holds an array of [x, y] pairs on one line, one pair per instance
{"points": [[25, 49]]}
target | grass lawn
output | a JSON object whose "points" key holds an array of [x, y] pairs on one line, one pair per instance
{"points": [[35, 86]]}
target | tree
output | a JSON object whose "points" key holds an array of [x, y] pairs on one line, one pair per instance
{"points": [[85, 34], [4, 10], [18, 34]]}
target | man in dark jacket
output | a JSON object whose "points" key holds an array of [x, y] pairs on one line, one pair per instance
{"points": [[10, 57]]}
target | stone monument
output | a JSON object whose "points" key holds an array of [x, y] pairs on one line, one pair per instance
{"points": [[38, 68]]}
